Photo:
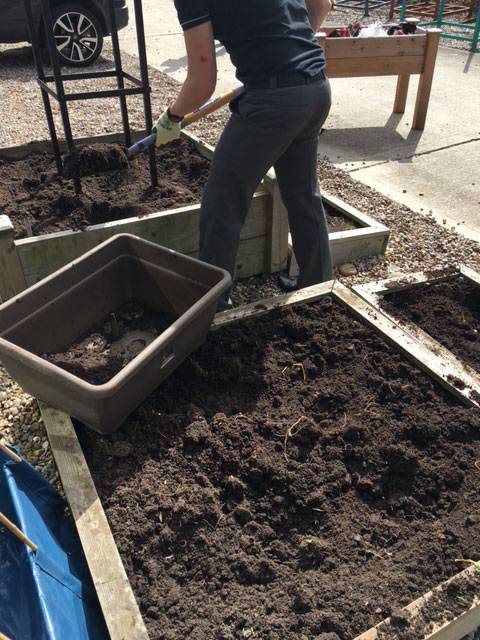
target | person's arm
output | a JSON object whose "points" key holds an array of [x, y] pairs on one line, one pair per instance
{"points": [[201, 77], [199, 84], [317, 12]]}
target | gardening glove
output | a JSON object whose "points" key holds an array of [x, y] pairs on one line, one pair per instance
{"points": [[166, 129]]}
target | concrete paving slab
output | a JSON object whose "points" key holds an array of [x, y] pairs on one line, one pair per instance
{"points": [[445, 183], [362, 130], [441, 162]]}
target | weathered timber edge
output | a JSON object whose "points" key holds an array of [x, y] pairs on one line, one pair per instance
{"points": [[119, 607]]}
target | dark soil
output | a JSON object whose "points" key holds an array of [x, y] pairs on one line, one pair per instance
{"points": [[32, 194], [38, 201], [448, 311], [111, 344], [295, 477]]}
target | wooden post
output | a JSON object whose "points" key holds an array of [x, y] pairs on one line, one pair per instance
{"points": [[278, 249], [401, 94], [425, 82], [12, 280]]}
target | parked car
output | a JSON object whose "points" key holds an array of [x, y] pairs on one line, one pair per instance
{"points": [[79, 26]]}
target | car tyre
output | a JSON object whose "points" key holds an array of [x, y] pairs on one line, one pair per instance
{"points": [[78, 35]]}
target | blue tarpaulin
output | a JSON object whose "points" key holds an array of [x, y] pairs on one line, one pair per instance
{"points": [[47, 595]]}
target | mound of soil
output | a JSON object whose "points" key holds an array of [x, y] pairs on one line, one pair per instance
{"points": [[296, 478], [107, 347], [31, 192], [448, 311], [95, 158]]}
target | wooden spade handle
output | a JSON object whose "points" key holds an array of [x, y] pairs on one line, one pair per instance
{"points": [[11, 454], [212, 106], [16, 532]]}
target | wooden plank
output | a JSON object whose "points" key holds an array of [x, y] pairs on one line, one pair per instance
{"points": [[261, 307], [351, 245], [121, 612], [176, 229], [426, 79], [472, 275], [405, 281], [388, 46], [435, 366], [12, 280], [375, 66], [454, 629], [348, 246], [363, 219]]}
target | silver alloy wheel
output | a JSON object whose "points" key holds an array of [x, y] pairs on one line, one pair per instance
{"points": [[76, 37]]}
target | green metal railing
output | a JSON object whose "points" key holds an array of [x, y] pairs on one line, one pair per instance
{"points": [[439, 21]]}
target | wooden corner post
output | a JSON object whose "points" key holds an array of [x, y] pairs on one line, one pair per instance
{"points": [[426, 78], [278, 236], [12, 280]]}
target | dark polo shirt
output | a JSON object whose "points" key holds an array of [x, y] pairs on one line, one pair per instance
{"points": [[264, 38]]}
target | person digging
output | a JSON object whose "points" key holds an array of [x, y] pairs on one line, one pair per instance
{"points": [[275, 122]]}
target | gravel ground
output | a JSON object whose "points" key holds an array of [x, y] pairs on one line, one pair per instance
{"points": [[417, 242]]}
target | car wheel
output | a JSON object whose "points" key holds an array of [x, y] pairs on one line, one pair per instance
{"points": [[78, 35]]}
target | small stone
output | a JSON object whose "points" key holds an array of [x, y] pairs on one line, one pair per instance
{"points": [[348, 269]]}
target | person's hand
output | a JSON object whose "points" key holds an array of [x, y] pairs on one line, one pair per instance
{"points": [[166, 129]]}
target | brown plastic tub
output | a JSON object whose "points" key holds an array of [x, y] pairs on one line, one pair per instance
{"points": [[52, 314]]}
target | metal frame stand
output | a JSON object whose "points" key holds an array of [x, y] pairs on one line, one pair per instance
{"points": [[141, 86]]}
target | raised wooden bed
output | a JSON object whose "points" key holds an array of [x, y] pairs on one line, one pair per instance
{"points": [[463, 376], [115, 594], [367, 237], [263, 245], [400, 56]]}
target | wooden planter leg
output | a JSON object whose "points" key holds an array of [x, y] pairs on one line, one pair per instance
{"points": [[425, 82], [278, 236], [12, 280], [401, 94]]}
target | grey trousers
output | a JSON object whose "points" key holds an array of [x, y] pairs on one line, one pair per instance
{"points": [[279, 128]]}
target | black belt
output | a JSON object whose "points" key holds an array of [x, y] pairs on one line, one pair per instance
{"points": [[287, 80]]}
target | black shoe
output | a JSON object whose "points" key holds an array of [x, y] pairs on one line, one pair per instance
{"points": [[286, 283]]}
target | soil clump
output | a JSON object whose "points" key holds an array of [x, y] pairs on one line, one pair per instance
{"points": [[295, 478]]}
